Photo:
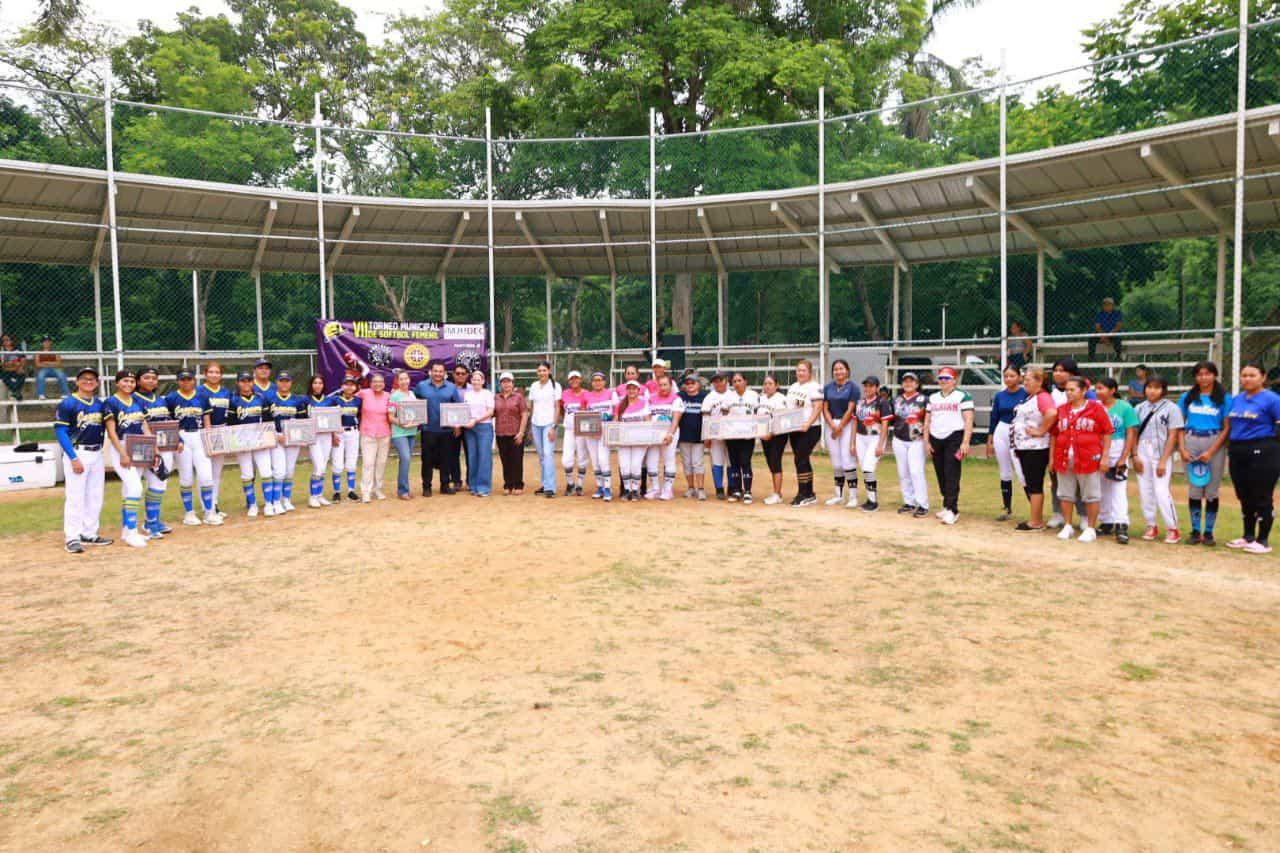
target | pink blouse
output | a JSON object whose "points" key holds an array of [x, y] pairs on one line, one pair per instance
{"points": [[373, 413]]}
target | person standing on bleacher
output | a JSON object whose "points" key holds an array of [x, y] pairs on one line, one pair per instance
{"points": [[78, 425]]}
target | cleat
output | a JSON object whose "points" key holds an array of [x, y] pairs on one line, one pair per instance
{"points": [[314, 503], [253, 511], [949, 517], [163, 528], [852, 503], [323, 500], [212, 518], [352, 496], [286, 505], [95, 540], [906, 509], [568, 491], [835, 500], [921, 512], [1122, 534], [805, 500], [134, 539], [337, 497], [733, 498], [73, 546], [191, 520], [1106, 529], [870, 506], [746, 498], [1005, 515]]}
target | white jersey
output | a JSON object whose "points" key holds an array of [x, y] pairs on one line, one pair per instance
{"points": [[804, 395], [772, 405], [745, 403], [713, 404]]}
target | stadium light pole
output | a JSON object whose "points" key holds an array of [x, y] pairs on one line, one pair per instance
{"points": [[111, 218], [824, 283], [653, 231], [1237, 273], [488, 194], [319, 169], [1004, 211]]}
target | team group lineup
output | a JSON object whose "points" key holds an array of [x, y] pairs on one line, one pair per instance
{"points": [[1079, 432]]}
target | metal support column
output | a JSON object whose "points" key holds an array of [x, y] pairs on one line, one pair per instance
{"points": [[908, 306], [444, 299], [257, 301], [1220, 297], [653, 231], [722, 307], [551, 341], [1004, 211], [488, 182], [319, 170], [111, 221], [1040, 296], [824, 274], [1237, 272], [896, 302], [195, 310]]}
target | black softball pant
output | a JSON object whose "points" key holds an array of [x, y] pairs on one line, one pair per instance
{"points": [[946, 467], [1255, 467], [802, 445], [740, 476], [773, 450]]}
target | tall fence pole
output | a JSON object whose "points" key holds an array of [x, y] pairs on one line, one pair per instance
{"points": [[653, 230], [195, 309], [824, 283], [1004, 211], [111, 218], [1237, 273], [319, 170], [488, 194]]}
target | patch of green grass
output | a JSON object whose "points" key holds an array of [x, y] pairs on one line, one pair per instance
{"points": [[1062, 743], [1137, 672], [506, 810], [591, 676], [102, 819], [754, 741]]}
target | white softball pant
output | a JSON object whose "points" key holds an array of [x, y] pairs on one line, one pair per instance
{"points": [[719, 453], [840, 448], [346, 453], [574, 454], [910, 458], [865, 446], [631, 462], [260, 459], [283, 461], [1115, 495], [1002, 438], [154, 483], [83, 507], [598, 451], [691, 457], [321, 450], [660, 454], [130, 480], [193, 463], [1155, 492]]}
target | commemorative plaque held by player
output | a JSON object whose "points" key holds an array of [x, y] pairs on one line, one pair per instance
{"points": [[634, 434], [166, 435], [737, 427], [410, 413], [141, 449], [299, 432], [588, 424], [455, 414], [789, 420], [328, 419]]}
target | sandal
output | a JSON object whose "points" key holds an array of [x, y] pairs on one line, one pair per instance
{"points": [[1024, 526]]}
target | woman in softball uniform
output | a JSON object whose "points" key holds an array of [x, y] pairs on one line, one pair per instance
{"points": [[908, 446], [948, 423], [283, 404], [1204, 443], [78, 425], [248, 407], [324, 445], [666, 408], [839, 396], [632, 408], [1030, 432], [346, 445], [217, 398], [600, 400], [187, 407], [1114, 516], [153, 403], [124, 416], [1082, 438], [806, 393], [874, 415], [740, 400], [773, 402], [1255, 457], [999, 435], [574, 456], [712, 408], [1159, 422], [691, 445]]}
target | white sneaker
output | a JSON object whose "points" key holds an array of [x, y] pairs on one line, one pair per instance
{"points": [[212, 518], [314, 502], [949, 517], [939, 514], [1067, 532], [853, 501], [134, 539], [652, 495], [379, 495], [268, 510], [1055, 521], [666, 494], [691, 493], [191, 520], [1088, 535], [220, 514], [287, 505], [365, 499], [253, 511], [835, 500], [774, 498], [325, 501], [277, 508]]}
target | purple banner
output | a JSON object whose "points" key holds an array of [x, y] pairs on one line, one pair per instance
{"points": [[361, 348]]}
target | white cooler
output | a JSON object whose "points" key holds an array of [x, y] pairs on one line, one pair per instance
{"points": [[39, 468]]}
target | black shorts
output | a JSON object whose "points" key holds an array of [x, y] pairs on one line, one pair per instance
{"points": [[1034, 463]]}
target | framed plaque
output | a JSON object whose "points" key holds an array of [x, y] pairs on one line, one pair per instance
{"points": [[166, 433], [588, 424], [454, 414], [789, 420], [328, 419], [245, 438], [634, 434], [740, 427], [141, 449], [214, 440], [299, 432], [410, 413], [711, 428]]}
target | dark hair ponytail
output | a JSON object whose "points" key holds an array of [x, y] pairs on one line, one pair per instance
{"points": [[1218, 394]]}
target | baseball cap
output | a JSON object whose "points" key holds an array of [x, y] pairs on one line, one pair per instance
{"points": [[719, 374], [573, 373], [243, 376], [284, 374], [947, 373], [692, 377], [143, 371], [350, 379], [1199, 474], [1107, 300], [635, 382], [507, 374], [599, 373], [657, 362], [82, 371], [871, 380], [186, 373], [125, 373], [262, 362], [910, 374]]}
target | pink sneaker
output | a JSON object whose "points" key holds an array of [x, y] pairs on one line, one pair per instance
{"points": [[1256, 548], [1238, 543]]}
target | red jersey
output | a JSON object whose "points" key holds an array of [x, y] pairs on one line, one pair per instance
{"points": [[1079, 434]]}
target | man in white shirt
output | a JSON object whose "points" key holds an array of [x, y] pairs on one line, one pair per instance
{"points": [[544, 396]]}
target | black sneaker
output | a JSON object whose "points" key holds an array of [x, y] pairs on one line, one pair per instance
{"points": [[426, 492], [1122, 534], [1106, 529], [337, 497], [1208, 540], [73, 546], [577, 491], [95, 540], [539, 491], [448, 490], [921, 512], [1194, 538], [550, 494], [720, 495], [568, 491], [870, 506], [352, 496], [906, 509]]}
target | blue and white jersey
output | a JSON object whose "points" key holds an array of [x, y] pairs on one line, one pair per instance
{"points": [[82, 419], [1202, 414], [216, 402], [839, 398], [155, 406], [188, 411], [1003, 404], [246, 410], [285, 407], [350, 409], [129, 415]]}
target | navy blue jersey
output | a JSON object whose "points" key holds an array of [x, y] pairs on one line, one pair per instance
{"points": [[81, 419], [1003, 404], [246, 410], [262, 390], [283, 408], [691, 420], [216, 403], [839, 398], [187, 411], [129, 415], [350, 409], [154, 405]]}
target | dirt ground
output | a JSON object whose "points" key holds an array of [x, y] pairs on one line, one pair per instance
{"points": [[521, 674]]}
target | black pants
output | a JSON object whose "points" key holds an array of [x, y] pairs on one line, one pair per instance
{"points": [[773, 450], [511, 455], [455, 463], [1114, 343], [1034, 463], [436, 447], [802, 445], [740, 450], [1255, 467], [946, 467]]}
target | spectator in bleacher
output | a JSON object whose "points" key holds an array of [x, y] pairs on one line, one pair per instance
{"points": [[1019, 347], [1106, 324], [49, 366], [1138, 385], [13, 366]]}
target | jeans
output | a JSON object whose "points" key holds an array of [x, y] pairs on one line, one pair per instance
{"points": [[404, 453], [544, 440], [14, 382], [479, 444], [55, 374]]}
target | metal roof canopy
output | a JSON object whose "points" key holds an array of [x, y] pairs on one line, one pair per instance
{"points": [[1126, 189]]}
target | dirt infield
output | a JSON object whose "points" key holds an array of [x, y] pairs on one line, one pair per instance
{"points": [[520, 674]]}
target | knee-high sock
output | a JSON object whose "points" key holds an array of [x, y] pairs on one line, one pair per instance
{"points": [[129, 513], [804, 483], [1210, 514], [337, 481], [582, 476], [717, 476], [185, 491], [851, 480], [1195, 505], [351, 482], [317, 485], [206, 497], [249, 498], [1006, 494], [271, 491], [287, 487], [153, 508], [839, 486], [747, 476], [870, 483]]}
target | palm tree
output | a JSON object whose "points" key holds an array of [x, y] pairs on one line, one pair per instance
{"points": [[938, 76]]}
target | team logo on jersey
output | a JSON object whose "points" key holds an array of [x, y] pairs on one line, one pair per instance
{"points": [[332, 329], [380, 355], [416, 356]]}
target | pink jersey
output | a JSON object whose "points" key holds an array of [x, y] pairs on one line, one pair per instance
{"points": [[621, 392], [652, 387], [637, 411], [602, 402], [665, 408], [573, 401]]}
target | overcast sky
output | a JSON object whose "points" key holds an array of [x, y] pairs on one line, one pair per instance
{"points": [[1039, 35]]}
